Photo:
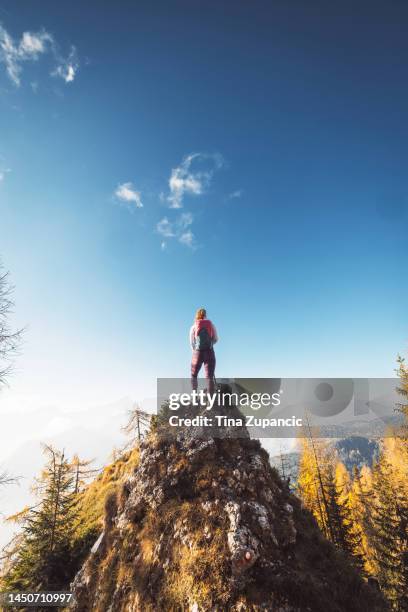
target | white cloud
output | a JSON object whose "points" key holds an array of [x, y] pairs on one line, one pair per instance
{"points": [[32, 45], [184, 220], [67, 68], [30, 48], [127, 193], [177, 229], [188, 239], [192, 177], [235, 194], [188, 179], [165, 228]]}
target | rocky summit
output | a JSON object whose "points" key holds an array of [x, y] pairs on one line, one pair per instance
{"points": [[205, 523]]}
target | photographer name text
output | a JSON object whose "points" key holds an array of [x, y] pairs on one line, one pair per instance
{"points": [[218, 420]]}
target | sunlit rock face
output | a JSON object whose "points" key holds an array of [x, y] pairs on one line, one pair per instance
{"points": [[207, 524]]}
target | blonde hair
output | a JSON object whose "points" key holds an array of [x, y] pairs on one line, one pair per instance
{"points": [[201, 314]]}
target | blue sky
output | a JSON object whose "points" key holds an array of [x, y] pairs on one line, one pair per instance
{"points": [[250, 157]]}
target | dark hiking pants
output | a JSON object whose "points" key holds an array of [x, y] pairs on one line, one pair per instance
{"points": [[206, 357]]}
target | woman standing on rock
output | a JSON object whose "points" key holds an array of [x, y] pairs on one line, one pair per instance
{"points": [[203, 336]]}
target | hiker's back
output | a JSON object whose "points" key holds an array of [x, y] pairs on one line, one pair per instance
{"points": [[204, 335]]}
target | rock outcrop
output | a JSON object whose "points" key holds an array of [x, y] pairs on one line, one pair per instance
{"points": [[207, 524]]}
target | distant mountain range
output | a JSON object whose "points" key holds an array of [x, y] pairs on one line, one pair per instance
{"points": [[357, 451], [373, 429], [354, 451]]}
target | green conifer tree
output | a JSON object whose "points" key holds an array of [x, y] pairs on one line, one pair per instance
{"points": [[345, 536], [390, 535], [361, 503], [42, 560]]}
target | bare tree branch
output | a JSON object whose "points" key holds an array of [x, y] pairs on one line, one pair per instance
{"points": [[137, 425], [9, 339], [6, 479]]}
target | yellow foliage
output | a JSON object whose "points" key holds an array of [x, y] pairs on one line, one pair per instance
{"points": [[314, 462], [92, 500]]}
